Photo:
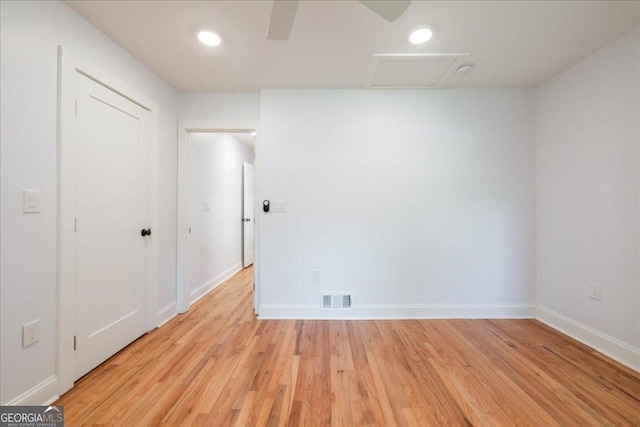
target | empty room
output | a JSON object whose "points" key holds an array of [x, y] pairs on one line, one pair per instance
{"points": [[300, 212]]}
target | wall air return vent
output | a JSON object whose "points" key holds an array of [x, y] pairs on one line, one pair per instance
{"points": [[336, 301]]}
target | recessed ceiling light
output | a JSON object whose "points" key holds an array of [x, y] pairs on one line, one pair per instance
{"points": [[209, 38], [420, 35]]}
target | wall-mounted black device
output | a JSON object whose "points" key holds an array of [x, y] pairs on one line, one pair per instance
{"points": [[265, 206]]}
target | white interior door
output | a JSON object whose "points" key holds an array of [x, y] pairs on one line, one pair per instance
{"points": [[113, 207], [248, 215]]}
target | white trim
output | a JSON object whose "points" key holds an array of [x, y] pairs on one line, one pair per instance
{"points": [[66, 209], [167, 313], [605, 344], [68, 67], [154, 211], [210, 285], [400, 311], [257, 153], [43, 394], [375, 59], [184, 128]]}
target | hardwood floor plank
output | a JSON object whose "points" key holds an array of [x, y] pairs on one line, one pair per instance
{"points": [[218, 365], [585, 379], [531, 379]]}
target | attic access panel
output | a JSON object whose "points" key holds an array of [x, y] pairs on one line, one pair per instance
{"points": [[411, 70]]}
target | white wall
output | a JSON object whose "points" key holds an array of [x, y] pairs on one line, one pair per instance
{"points": [[588, 195], [217, 106], [419, 202], [30, 34], [215, 177]]}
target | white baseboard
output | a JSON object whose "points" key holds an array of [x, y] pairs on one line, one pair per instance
{"points": [[207, 287], [400, 311], [609, 346], [44, 393], [167, 313]]}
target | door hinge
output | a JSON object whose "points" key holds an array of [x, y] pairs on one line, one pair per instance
{"points": [[76, 107], [189, 230], [74, 343], [75, 225]]}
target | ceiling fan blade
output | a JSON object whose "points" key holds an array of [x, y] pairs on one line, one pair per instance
{"points": [[282, 15], [389, 9]]}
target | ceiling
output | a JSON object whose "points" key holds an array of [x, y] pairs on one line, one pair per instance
{"points": [[512, 43]]}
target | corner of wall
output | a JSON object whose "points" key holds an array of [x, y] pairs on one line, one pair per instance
{"points": [[562, 123], [609, 346]]}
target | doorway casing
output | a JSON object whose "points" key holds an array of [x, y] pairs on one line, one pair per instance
{"points": [[184, 129]]}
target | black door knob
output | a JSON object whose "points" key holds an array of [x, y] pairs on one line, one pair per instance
{"points": [[146, 232]]}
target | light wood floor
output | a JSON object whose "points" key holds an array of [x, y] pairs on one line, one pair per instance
{"points": [[218, 365]]}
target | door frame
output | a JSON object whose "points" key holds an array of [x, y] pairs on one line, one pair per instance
{"points": [[69, 66], [184, 129]]}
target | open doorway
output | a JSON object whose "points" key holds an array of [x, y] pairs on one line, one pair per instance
{"points": [[216, 199], [220, 222]]}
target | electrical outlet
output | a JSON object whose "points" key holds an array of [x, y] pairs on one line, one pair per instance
{"points": [[596, 291], [30, 333], [315, 276]]}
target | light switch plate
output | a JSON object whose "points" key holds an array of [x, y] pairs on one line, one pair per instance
{"points": [[30, 201], [205, 206], [278, 206]]}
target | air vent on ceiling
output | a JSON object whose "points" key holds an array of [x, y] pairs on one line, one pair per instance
{"points": [[334, 301], [411, 70]]}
